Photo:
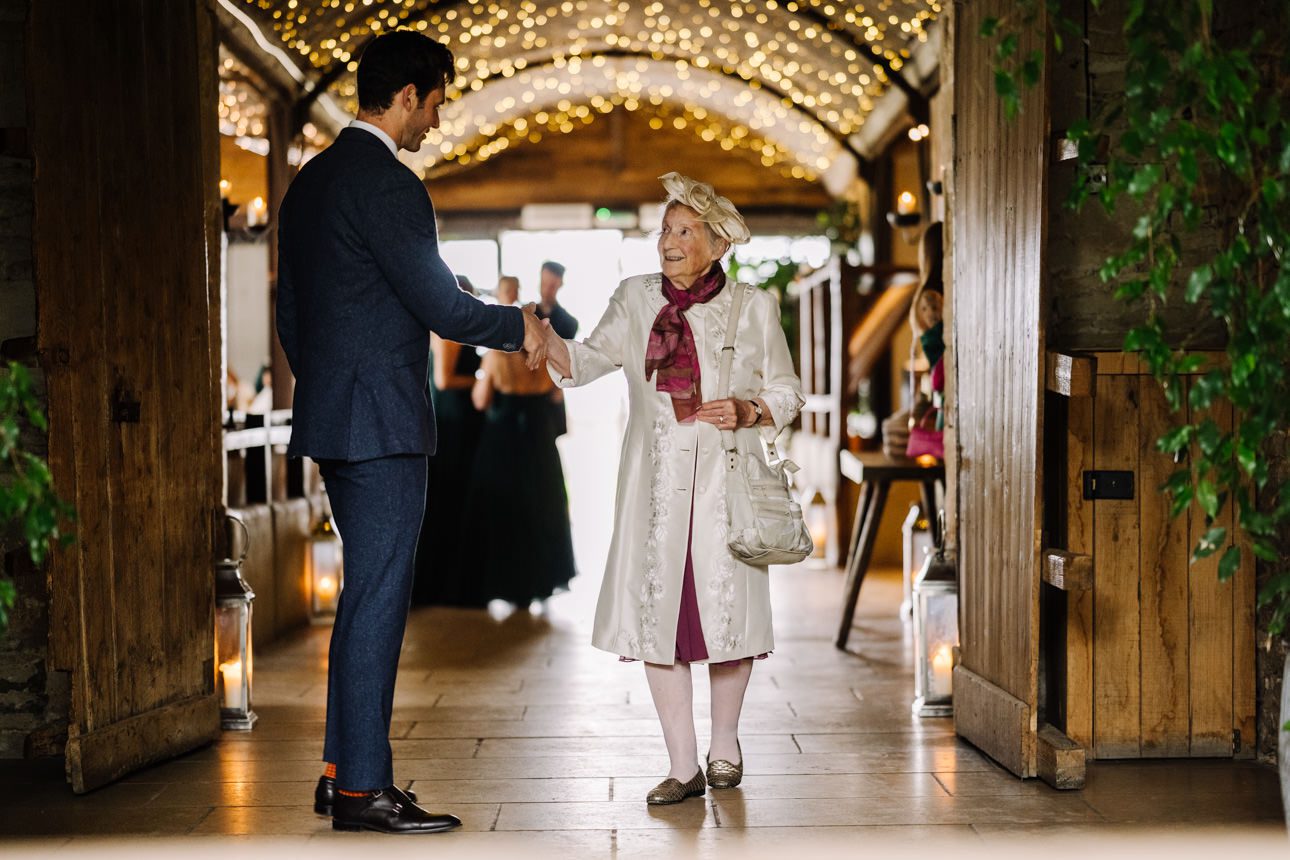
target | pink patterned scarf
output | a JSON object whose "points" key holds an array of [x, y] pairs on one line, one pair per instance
{"points": [[671, 352]]}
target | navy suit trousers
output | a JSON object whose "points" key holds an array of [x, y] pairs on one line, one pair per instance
{"points": [[378, 505]]}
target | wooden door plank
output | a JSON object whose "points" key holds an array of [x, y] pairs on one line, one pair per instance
{"points": [[1116, 656], [1079, 605], [1001, 722], [1164, 555], [1068, 571], [131, 219], [1061, 761], [71, 341], [997, 310], [1211, 634], [170, 106], [1071, 375]]}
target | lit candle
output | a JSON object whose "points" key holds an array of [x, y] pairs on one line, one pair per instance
{"points": [[326, 589], [942, 673], [906, 204], [234, 694], [258, 212]]}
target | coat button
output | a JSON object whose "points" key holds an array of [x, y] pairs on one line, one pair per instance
{"points": [[703, 488], [703, 451]]}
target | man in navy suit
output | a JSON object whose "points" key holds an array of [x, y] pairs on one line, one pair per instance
{"points": [[360, 287]]}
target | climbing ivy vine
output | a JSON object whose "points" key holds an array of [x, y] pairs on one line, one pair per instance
{"points": [[1201, 137], [30, 510]]}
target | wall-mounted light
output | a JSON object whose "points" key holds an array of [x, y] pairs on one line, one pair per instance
{"points": [[919, 132], [906, 217]]}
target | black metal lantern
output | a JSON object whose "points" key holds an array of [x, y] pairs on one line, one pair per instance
{"points": [[234, 660]]}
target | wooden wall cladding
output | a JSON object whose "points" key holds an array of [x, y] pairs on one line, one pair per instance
{"points": [[1160, 655], [125, 235], [998, 208]]}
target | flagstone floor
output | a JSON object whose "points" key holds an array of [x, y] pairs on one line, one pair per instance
{"points": [[542, 744]]}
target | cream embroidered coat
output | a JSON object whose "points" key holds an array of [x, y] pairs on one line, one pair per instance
{"points": [[665, 464]]}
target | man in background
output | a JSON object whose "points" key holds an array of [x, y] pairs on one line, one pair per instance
{"points": [[563, 323]]}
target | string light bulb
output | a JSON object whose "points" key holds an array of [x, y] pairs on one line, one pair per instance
{"points": [[814, 56]]}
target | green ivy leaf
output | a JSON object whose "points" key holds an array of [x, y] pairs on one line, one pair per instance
{"points": [[1176, 440], [1229, 564], [1144, 179], [1006, 47], [1209, 543], [1266, 551], [1207, 498], [989, 27], [1197, 284]]}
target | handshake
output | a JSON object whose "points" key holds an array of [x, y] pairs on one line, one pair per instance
{"points": [[542, 344]]}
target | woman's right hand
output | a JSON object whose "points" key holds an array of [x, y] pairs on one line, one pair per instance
{"points": [[557, 354]]}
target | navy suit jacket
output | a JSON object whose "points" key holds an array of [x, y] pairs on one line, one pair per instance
{"points": [[360, 287]]}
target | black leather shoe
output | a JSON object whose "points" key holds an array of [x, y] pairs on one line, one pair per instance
{"points": [[387, 811], [325, 795]]}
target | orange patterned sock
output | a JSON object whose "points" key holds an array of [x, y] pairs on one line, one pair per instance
{"points": [[354, 793], [330, 772]]}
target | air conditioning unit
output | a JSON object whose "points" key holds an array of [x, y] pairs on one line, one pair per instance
{"points": [[557, 216]]}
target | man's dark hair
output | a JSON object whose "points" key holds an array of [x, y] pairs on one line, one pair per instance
{"points": [[392, 61], [554, 268]]}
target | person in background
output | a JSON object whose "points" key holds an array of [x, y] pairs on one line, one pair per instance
{"points": [[441, 551], [563, 323], [517, 510], [263, 401]]}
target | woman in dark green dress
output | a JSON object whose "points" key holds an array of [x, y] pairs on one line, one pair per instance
{"points": [[443, 557]]}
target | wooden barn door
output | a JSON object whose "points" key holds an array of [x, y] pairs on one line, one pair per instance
{"points": [[1159, 654], [127, 271], [997, 220]]}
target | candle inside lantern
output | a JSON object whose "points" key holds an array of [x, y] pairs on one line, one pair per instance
{"points": [[942, 673], [234, 692], [257, 212], [326, 588], [906, 204]]}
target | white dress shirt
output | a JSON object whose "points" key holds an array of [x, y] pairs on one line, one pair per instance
{"points": [[384, 138]]}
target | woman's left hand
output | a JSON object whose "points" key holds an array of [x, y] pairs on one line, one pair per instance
{"points": [[728, 414]]}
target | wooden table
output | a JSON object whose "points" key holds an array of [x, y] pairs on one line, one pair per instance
{"points": [[875, 472]]}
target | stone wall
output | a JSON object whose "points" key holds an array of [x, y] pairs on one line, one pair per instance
{"points": [[34, 701]]}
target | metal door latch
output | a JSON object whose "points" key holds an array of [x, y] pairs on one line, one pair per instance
{"points": [[1104, 484]]}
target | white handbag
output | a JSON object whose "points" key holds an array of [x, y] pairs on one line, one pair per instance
{"points": [[766, 524]]}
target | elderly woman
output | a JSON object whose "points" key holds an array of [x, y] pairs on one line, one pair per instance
{"points": [[673, 594]]}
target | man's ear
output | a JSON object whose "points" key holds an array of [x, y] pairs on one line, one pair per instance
{"points": [[409, 97]]}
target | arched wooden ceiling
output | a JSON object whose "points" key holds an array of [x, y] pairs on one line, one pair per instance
{"points": [[800, 76]]}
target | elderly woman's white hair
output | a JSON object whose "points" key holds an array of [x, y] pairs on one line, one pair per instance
{"points": [[711, 208]]}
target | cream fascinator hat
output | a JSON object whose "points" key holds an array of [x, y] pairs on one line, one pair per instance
{"points": [[712, 209]]}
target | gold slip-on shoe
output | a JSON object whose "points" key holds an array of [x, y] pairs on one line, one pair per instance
{"points": [[723, 774], [674, 791]]}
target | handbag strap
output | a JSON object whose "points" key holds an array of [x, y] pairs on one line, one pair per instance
{"points": [[728, 358]]}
